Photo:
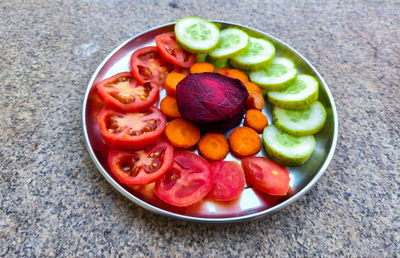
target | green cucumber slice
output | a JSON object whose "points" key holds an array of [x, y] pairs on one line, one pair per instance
{"points": [[276, 76], [300, 94], [300, 122], [260, 53], [201, 58], [232, 41], [197, 35], [218, 63], [287, 149]]}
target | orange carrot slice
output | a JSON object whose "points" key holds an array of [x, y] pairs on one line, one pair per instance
{"points": [[169, 107], [255, 119], [171, 81], [202, 68], [182, 133], [213, 146], [244, 141]]}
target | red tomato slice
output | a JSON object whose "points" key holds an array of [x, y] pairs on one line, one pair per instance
{"points": [[131, 130], [172, 52], [187, 181], [121, 91], [266, 175], [142, 166], [229, 181], [147, 65]]}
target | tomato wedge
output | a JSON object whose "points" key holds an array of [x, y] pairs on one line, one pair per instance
{"points": [[122, 92], [187, 181], [229, 181], [172, 52], [266, 175], [131, 130], [147, 65], [141, 167]]}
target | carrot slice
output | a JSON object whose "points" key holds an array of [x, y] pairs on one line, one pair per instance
{"points": [[237, 74], [182, 133], [171, 81], [202, 68], [213, 146], [256, 98], [255, 119], [244, 141], [223, 71], [169, 107]]}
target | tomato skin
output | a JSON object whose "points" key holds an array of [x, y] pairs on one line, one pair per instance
{"points": [[187, 181], [106, 93], [123, 139], [147, 65], [229, 181], [266, 175], [159, 153], [172, 52]]}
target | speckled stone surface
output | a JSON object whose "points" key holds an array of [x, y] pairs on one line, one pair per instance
{"points": [[54, 202]]}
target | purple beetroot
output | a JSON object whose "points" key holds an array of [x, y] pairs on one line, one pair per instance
{"points": [[211, 98]]}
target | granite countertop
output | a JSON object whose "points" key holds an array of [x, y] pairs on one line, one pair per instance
{"points": [[53, 201]]}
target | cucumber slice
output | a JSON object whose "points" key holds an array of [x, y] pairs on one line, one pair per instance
{"points": [[197, 35], [300, 122], [232, 41], [277, 76], [260, 53], [287, 149], [218, 63], [298, 95], [201, 58]]}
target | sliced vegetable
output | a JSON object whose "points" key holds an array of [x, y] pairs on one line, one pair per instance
{"points": [[266, 175], [122, 92], [187, 181], [172, 52], [169, 107], [276, 76], [300, 94], [217, 63], [171, 81], [232, 42], [287, 149], [256, 120], [147, 65], [244, 141], [202, 68], [223, 125], [210, 97], [300, 122], [197, 35], [213, 146], [142, 166], [131, 130], [260, 53], [182, 133], [229, 181], [256, 97]]}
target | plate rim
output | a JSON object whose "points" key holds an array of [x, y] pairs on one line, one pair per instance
{"points": [[242, 218]]}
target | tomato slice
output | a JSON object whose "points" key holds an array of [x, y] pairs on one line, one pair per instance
{"points": [[172, 52], [229, 181], [266, 175], [122, 92], [147, 65], [141, 167], [131, 130], [187, 181]]}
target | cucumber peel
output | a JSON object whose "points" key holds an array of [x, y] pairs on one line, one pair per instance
{"points": [[197, 35], [300, 94], [232, 41], [300, 122], [277, 76], [287, 149], [260, 53]]}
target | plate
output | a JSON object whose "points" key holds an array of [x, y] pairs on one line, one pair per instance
{"points": [[252, 203]]}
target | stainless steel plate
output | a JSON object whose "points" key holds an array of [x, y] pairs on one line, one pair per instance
{"points": [[252, 203]]}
